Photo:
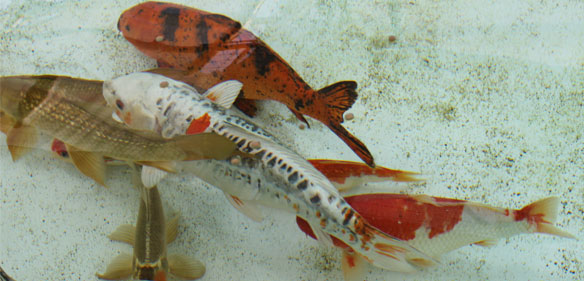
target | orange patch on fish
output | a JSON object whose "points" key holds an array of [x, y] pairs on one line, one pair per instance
{"points": [[199, 125]]}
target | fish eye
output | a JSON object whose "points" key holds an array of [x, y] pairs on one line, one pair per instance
{"points": [[120, 104], [64, 154]]}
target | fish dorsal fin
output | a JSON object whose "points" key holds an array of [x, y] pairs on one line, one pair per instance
{"points": [[120, 268], [125, 233], [225, 93], [20, 139], [353, 266], [247, 208], [172, 229], [89, 163], [185, 267], [152, 176]]}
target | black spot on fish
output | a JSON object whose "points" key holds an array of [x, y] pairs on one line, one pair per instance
{"points": [[302, 185], [171, 16], [261, 153], [271, 163], [189, 119], [269, 155], [240, 143], [202, 30], [348, 217], [127, 27], [289, 169], [283, 167], [263, 58], [299, 104], [331, 198], [315, 199], [293, 177], [234, 138], [159, 101], [280, 161]]}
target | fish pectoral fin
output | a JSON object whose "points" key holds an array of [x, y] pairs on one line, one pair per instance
{"points": [[89, 163], [300, 117], [120, 268], [125, 233], [172, 229], [322, 236], [225, 93], [206, 146], [6, 122], [20, 139], [152, 176], [185, 267], [247, 208], [353, 266]]}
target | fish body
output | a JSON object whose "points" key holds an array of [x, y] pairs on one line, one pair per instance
{"points": [[74, 111], [149, 238], [205, 49], [437, 226], [297, 183]]}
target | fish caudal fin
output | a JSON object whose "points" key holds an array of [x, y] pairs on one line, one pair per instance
{"points": [[185, 267], [120, 268], [394, 254], [543, 214]]}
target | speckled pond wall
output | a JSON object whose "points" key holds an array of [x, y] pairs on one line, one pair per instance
{"points": [[484, 98]]}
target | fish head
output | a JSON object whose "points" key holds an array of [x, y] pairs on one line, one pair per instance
{"points": [[58, 147], [128, 95]]}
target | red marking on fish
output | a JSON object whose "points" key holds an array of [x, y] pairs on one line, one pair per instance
{"points": [[199, 125], [207, 49], [59, 147]]}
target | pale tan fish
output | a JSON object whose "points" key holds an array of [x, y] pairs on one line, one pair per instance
{"points": [[149, 239], [74, 111]]}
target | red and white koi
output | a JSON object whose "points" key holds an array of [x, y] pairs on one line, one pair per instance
{"points": [[153, 102], [437, 226]]}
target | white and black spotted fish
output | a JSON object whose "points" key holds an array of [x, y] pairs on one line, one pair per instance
{"points": [[153, 102]]}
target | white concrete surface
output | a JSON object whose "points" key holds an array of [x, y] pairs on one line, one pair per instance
{"points": [[486, 98]]}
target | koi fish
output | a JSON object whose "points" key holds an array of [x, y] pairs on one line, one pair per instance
{"points": [[74, 111], [205, 49], [152, 102], [149, 239], [437, 226]]}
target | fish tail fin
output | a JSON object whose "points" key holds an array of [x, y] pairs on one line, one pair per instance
{"points": [[543, 214], [392, 253]]}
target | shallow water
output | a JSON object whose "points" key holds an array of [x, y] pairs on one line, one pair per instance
{"points": [[485, 99]]}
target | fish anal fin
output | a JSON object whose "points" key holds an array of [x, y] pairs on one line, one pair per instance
{"points": [[152, 176], [421, 262], [20, 139], [300, 117], [125, 233], [206, 146], [89, 163], [224, 93], [120, 268], [486, 243], [249, 209], [247, 106], [185, 267], [353, 266], [172, 229]]}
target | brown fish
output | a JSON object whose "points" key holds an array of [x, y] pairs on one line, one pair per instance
{"points": [[74, 111], [205, 49], [149, 239]]}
